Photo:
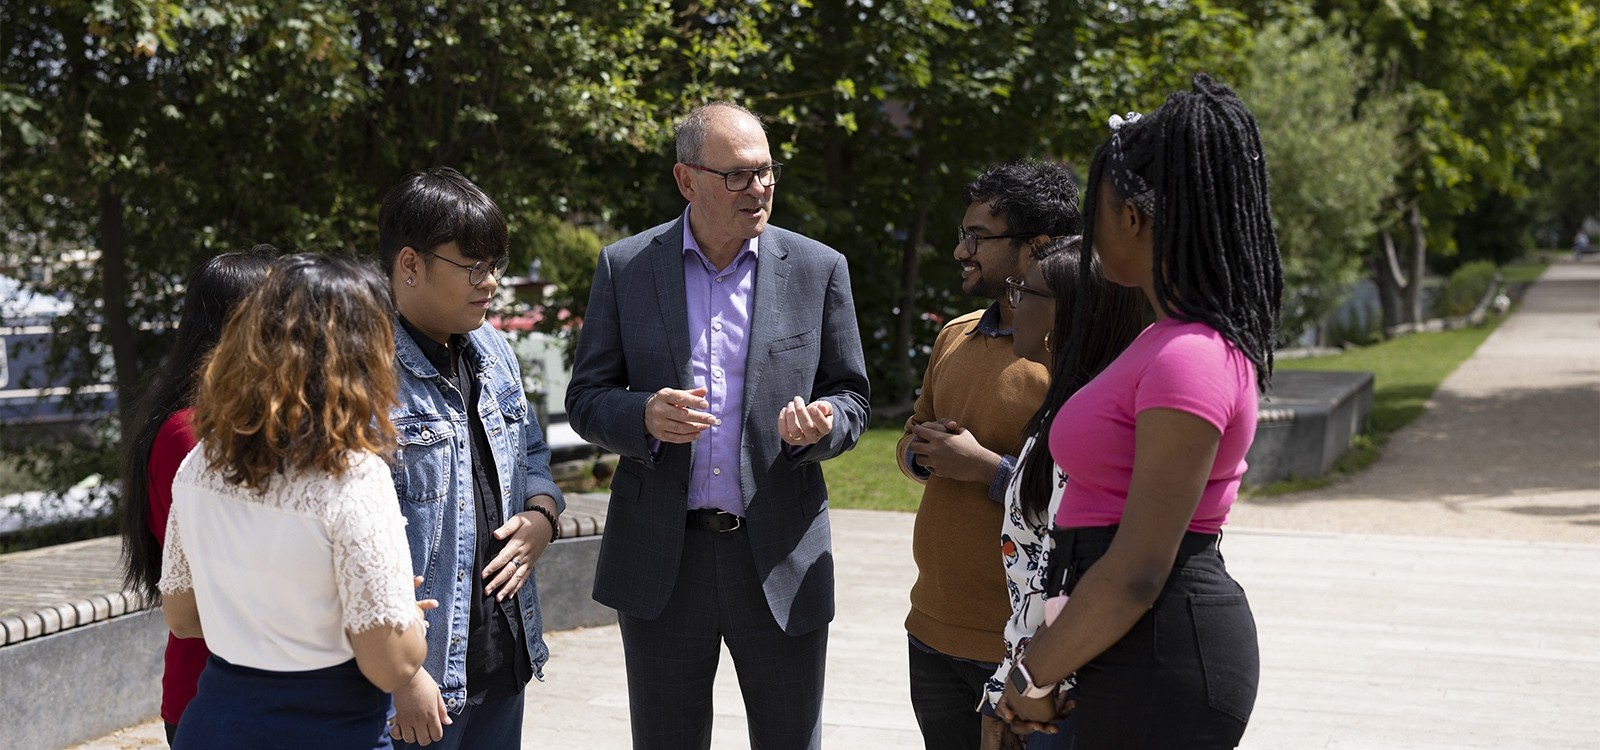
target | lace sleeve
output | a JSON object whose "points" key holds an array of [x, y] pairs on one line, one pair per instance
{"points": [[175, 576], [371, 558]]}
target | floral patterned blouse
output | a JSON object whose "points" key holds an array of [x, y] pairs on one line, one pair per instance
{"points": [[1025, 549]]}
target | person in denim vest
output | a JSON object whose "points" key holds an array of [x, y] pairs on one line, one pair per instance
{"points": [[474, 483]]}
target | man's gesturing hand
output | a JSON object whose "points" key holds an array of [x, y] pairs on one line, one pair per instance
{"points": [[674, 416], [801, 424]]}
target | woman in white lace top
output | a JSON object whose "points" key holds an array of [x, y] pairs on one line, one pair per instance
{"points": [[285, 546], [1034, 493]]}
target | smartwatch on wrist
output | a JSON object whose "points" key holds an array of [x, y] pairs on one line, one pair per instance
{"points": [[1023, 682]]}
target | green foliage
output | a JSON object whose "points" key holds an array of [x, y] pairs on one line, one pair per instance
{"points": [[868, 476], [1496, 230], [1482, 85], [1566, 187], [1331, 161], [1467, 285], [160, 133]]}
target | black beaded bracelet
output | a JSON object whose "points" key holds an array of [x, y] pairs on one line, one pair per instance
{"points": [[555, 528]]}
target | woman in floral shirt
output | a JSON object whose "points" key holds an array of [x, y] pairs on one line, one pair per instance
{"points": [[1035, 489]]}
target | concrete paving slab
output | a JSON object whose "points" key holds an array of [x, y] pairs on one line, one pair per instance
{"points": [[1367, 642]]}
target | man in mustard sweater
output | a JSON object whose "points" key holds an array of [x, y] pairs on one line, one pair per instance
{"points": [[961, 443]]}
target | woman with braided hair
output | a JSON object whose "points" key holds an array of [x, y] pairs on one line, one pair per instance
{"points": [[1161, 638]]}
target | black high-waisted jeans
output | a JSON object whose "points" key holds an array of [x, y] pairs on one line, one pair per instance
{"points": [[1185, 675]]}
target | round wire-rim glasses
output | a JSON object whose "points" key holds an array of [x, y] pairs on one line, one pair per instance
{"points": [[481, 270]]}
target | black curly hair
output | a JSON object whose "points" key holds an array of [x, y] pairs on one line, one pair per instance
{"points": [[1036, 197]]}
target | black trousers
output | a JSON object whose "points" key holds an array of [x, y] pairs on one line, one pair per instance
{"points": [[1185, 675], [672, 659]]}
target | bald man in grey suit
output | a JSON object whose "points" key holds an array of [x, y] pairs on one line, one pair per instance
{"points": [[720, 358]]}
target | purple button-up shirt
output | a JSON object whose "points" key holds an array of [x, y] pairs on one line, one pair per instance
{"points": [[719, 329]]}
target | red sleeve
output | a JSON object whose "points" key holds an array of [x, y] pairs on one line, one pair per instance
{"points": [[173, 443]]}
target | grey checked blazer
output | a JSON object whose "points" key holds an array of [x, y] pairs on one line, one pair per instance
{"points": [[803, 342]]}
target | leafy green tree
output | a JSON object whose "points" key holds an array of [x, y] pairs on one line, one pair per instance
{"points": [[1565, 189], [1480, 82], [160, 133], [1332, 162], [883, 111]]}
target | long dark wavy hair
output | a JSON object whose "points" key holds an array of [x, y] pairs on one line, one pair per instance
{"points": [[1111, 316], [1200, 160], [303, 376], [212, 292]]}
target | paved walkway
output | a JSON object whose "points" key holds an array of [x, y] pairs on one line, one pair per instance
{"points": [[1446, 598], [1508, 449]]}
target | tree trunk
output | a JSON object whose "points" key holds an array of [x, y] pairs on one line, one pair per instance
{"points": [[1390, 280], [115, 326], [1419, 259], [903, 393]]}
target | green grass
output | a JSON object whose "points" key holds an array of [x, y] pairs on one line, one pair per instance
{"points": [[1524, 271], [868, 477]]}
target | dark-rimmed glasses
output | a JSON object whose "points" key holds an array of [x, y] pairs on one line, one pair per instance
{"points": [[483, 269], [1015, 289], [739, 179], [970, 239]]}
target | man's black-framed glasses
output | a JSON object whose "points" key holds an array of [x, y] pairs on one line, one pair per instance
{"points": [[970, 239], [483, 269], [1015, 289], [740, 179]]}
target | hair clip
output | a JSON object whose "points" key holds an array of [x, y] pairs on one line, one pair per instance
{"points": [[1117, 121]]}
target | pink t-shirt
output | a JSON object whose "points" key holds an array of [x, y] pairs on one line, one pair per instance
{"points": [[1173, 364]]}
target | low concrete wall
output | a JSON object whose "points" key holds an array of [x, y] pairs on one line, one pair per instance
{"points": [[1307, 423], [82, 683], [566, 581], [73, 672]]}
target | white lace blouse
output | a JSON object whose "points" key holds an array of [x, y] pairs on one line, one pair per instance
{"points": [[280, 576], [1025, 549]]}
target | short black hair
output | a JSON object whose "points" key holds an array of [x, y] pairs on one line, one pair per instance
{"points": [[437, 206], [1035, 197]]}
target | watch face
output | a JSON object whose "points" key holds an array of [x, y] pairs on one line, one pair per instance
{"points": [[1019, 681]]}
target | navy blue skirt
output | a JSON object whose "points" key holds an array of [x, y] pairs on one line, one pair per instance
{"points": [[324, 709]]}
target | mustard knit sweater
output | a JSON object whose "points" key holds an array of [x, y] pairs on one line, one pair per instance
{"points": [[959, 605]]}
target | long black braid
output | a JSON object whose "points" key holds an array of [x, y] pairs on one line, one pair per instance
{"points": [[1216, 251], [1113, 317]]}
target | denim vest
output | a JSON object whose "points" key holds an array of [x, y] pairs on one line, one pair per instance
{"points": [[433, 479]]}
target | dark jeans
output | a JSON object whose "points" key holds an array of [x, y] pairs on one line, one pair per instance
{"points": [[945, 691], [490, 725], [1185, 675]]}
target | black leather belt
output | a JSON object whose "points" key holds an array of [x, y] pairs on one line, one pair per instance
{"points": [[706, 519]]}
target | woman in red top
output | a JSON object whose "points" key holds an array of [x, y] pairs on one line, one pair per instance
{"points": [[160, 437]]}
